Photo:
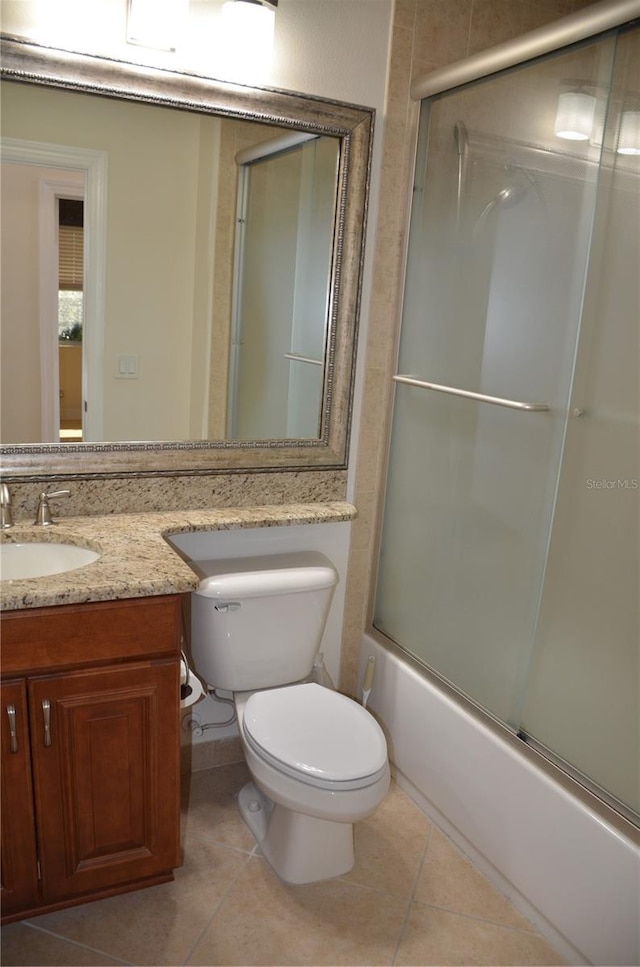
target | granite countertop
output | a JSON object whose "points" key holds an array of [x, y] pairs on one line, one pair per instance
{"points": [[135, 560]]}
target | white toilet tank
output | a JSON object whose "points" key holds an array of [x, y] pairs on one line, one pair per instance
{"points": [[258, 622]]}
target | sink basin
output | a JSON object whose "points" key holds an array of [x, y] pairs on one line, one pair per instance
{"points": [[38, 559]]}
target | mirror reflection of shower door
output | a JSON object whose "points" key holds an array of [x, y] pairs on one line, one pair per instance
{"points": [[501, 238], [281, 292]]}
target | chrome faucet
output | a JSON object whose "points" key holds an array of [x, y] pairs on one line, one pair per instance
{"points": [[43, 514], [6, 517]]}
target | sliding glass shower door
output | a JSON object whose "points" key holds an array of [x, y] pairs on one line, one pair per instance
{"points": [[583, 691], [521, 306]]}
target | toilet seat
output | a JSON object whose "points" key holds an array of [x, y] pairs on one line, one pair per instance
{"points": [[316, 735]]}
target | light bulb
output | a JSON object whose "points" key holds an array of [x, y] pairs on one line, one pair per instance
{"points": [[574, 116], [156, 23], [629, 133], [246, 38]]}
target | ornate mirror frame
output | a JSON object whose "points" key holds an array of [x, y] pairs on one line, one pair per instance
{"points": [[353, 125]]}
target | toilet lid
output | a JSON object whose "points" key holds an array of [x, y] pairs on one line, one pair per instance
{"points": [[315, 732]]}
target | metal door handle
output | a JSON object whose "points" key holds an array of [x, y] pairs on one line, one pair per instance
{"points": [[11, 715], [471, 395], [299, 358], [46, 711]]}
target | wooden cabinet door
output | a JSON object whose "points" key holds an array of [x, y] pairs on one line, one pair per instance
{"points": [[19, 858], [106, 774]]}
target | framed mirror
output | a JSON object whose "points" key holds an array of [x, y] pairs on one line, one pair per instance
{"points": [[219, 230]]}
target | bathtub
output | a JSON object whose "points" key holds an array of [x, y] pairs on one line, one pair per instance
{"points": [[576, 877]]}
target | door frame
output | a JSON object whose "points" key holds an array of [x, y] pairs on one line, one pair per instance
{"points": [[93, 165]]}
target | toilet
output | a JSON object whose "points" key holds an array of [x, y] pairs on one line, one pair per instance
{"points": [[318, 760]]}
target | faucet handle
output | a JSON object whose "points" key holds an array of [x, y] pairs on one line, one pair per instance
{"points": [[43, 514]]}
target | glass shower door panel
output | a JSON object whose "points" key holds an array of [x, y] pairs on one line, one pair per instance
{"points": [[462, 549], [584, 691], [497, 258]]}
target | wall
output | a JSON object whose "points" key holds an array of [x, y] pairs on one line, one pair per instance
{"points": [[150, 271], [20, 308], [425, 35], [329, 48]]}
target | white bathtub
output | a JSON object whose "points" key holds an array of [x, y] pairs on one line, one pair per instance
{"points": [[576, 877]]}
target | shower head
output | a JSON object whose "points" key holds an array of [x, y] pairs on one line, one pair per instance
{"points": [[461, 136], [508, 196]]}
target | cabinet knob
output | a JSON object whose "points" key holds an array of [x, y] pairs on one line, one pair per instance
{"points": [[11, 715], [46, 712]]}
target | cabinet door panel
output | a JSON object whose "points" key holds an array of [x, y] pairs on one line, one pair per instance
{"points": [[19, 858], [107, 785]]}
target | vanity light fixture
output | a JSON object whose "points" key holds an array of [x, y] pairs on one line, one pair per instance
{"points": [[247, 28], [629, 133], [574, 116], [156, 23]]}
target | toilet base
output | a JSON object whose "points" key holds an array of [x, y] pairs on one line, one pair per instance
{"points": [[300, 848]]}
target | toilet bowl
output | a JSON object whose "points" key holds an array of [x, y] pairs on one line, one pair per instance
{"points": [[319, 764], [318, 760]]}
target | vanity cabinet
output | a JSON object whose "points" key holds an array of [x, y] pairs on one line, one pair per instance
{"points": [[90, 751]]}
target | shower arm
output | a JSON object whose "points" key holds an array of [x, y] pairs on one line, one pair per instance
{"points": [[462, 146], [470, 395]]}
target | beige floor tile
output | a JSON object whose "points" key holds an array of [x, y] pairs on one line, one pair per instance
{"points": [[442, 938], [158, 925], [389, 845], [449, 880], [264, 921], [227, 906], [24, 946], [213, 808]]}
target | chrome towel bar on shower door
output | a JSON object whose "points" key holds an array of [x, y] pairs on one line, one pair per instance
{"points": [[469, 395], [298, 358]]}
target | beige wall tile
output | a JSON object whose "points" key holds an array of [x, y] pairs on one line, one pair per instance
{"points": [[494, 21], [404, 13], [442, 30]]}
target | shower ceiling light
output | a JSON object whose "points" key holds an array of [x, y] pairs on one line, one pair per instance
{"points": [[574, 116], [629, 133]]}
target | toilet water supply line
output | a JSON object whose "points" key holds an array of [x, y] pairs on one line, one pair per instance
{"points": [[367, 682]]}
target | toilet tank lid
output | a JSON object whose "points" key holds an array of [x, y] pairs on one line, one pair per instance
{"points": [[251, 577]]}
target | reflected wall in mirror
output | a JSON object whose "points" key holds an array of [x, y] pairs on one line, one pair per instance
{"points": [[223, 233]]}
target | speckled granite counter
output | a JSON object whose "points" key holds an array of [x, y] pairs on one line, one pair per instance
{"points": [[135, 561]]}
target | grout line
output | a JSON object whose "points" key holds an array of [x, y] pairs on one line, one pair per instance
{"points": [[411, 898], [494, 923], [223, 897], [75, 943], [218, 842]]}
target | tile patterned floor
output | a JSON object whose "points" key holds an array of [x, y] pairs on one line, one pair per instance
{"points": [[412, 898]]}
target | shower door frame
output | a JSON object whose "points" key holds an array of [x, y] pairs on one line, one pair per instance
{"points": [[583, 26]]}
